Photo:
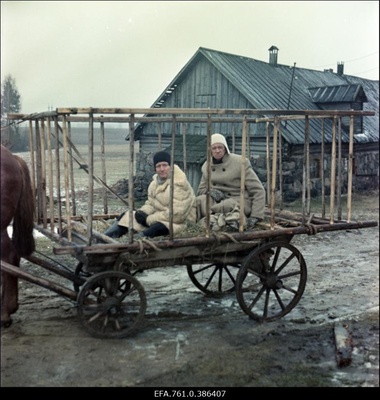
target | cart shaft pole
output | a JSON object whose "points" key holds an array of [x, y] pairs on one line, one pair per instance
{"points": [[47, 284]]}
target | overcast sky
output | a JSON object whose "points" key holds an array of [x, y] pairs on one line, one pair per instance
{"points": [[125, 53]]}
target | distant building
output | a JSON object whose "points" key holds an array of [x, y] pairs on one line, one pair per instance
{"points": [[214, 79]]}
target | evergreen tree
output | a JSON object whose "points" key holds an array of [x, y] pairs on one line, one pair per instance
{"points": [[10, 103], [10, 96]]}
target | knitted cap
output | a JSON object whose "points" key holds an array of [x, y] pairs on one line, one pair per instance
{"points": [[218, 138], [161, 156]]}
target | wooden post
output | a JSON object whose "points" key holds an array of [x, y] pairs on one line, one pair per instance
{"points": [[104, 172], [71, 164], [233, 139], [51, 182], [333, 161], [184, 148], [322, 170], [31, 149], [39, 183], [43, 172], [274, 172], [280, 166], [350, 166], [159, 136], [131, 196], [208, 201], [242, 173], [171, 211], [307, 151], [268, 161], [66, 170], [343, 345], [248, 140], [306, 174], [90, 159], [58, 174], [339, 185]]}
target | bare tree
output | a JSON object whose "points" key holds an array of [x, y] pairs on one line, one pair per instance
{"points": [[10, 103]]}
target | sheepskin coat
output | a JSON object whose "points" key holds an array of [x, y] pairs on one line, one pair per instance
{"points": [[158, 203], [226, 177]]}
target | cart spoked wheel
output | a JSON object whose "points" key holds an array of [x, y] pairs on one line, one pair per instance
{"points": [[111, 304], [214, 279], [271, 281]]}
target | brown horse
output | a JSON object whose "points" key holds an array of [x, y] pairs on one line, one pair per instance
{"points": [[17, 204]]}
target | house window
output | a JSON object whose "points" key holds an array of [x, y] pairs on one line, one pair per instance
{"points": [[315, 168]]}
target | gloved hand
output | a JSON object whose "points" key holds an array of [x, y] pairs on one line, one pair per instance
{"points": [[140, 217], [217, 195], [251, 222]]}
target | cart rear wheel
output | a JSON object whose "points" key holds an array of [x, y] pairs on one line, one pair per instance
{"points": [[271, 281], [111, 304], [214, 279]]}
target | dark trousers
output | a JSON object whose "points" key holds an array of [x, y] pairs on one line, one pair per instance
{"points": [[116, 231], [157, 229]]}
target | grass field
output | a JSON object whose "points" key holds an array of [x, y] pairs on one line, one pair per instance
{"points": [[116, 164], [116, 167]]}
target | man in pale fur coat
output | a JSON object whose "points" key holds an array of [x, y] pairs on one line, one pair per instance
{"points": [[152, 219], [225, 184]]}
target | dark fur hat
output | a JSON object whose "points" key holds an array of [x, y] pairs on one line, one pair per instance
{"points": [[161, 156]]}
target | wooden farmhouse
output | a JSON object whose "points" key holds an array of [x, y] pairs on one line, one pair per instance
{"points": [[218, 80]]}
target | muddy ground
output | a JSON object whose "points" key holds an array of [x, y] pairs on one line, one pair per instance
{"points": [[189, 340]]}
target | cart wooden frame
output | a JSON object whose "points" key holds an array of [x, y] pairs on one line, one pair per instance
{"points": [[267, 273]]}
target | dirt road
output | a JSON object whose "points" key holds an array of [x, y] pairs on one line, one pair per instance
{"points": [[189, 340]]}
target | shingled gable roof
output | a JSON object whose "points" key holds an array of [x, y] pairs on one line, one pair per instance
{"points": [[267, 86]]}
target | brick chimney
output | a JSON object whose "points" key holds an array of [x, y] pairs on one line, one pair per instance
{"points": [[273, 51], [340, 68]]}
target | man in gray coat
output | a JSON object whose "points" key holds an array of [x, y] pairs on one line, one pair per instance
{"points": [[225, 184]]}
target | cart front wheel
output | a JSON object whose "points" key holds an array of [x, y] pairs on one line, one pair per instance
{"points": [[111, 304], [271, 281], [214, 279]]}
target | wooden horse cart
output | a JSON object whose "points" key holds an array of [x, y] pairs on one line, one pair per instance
{"points": [[266, 272]]}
